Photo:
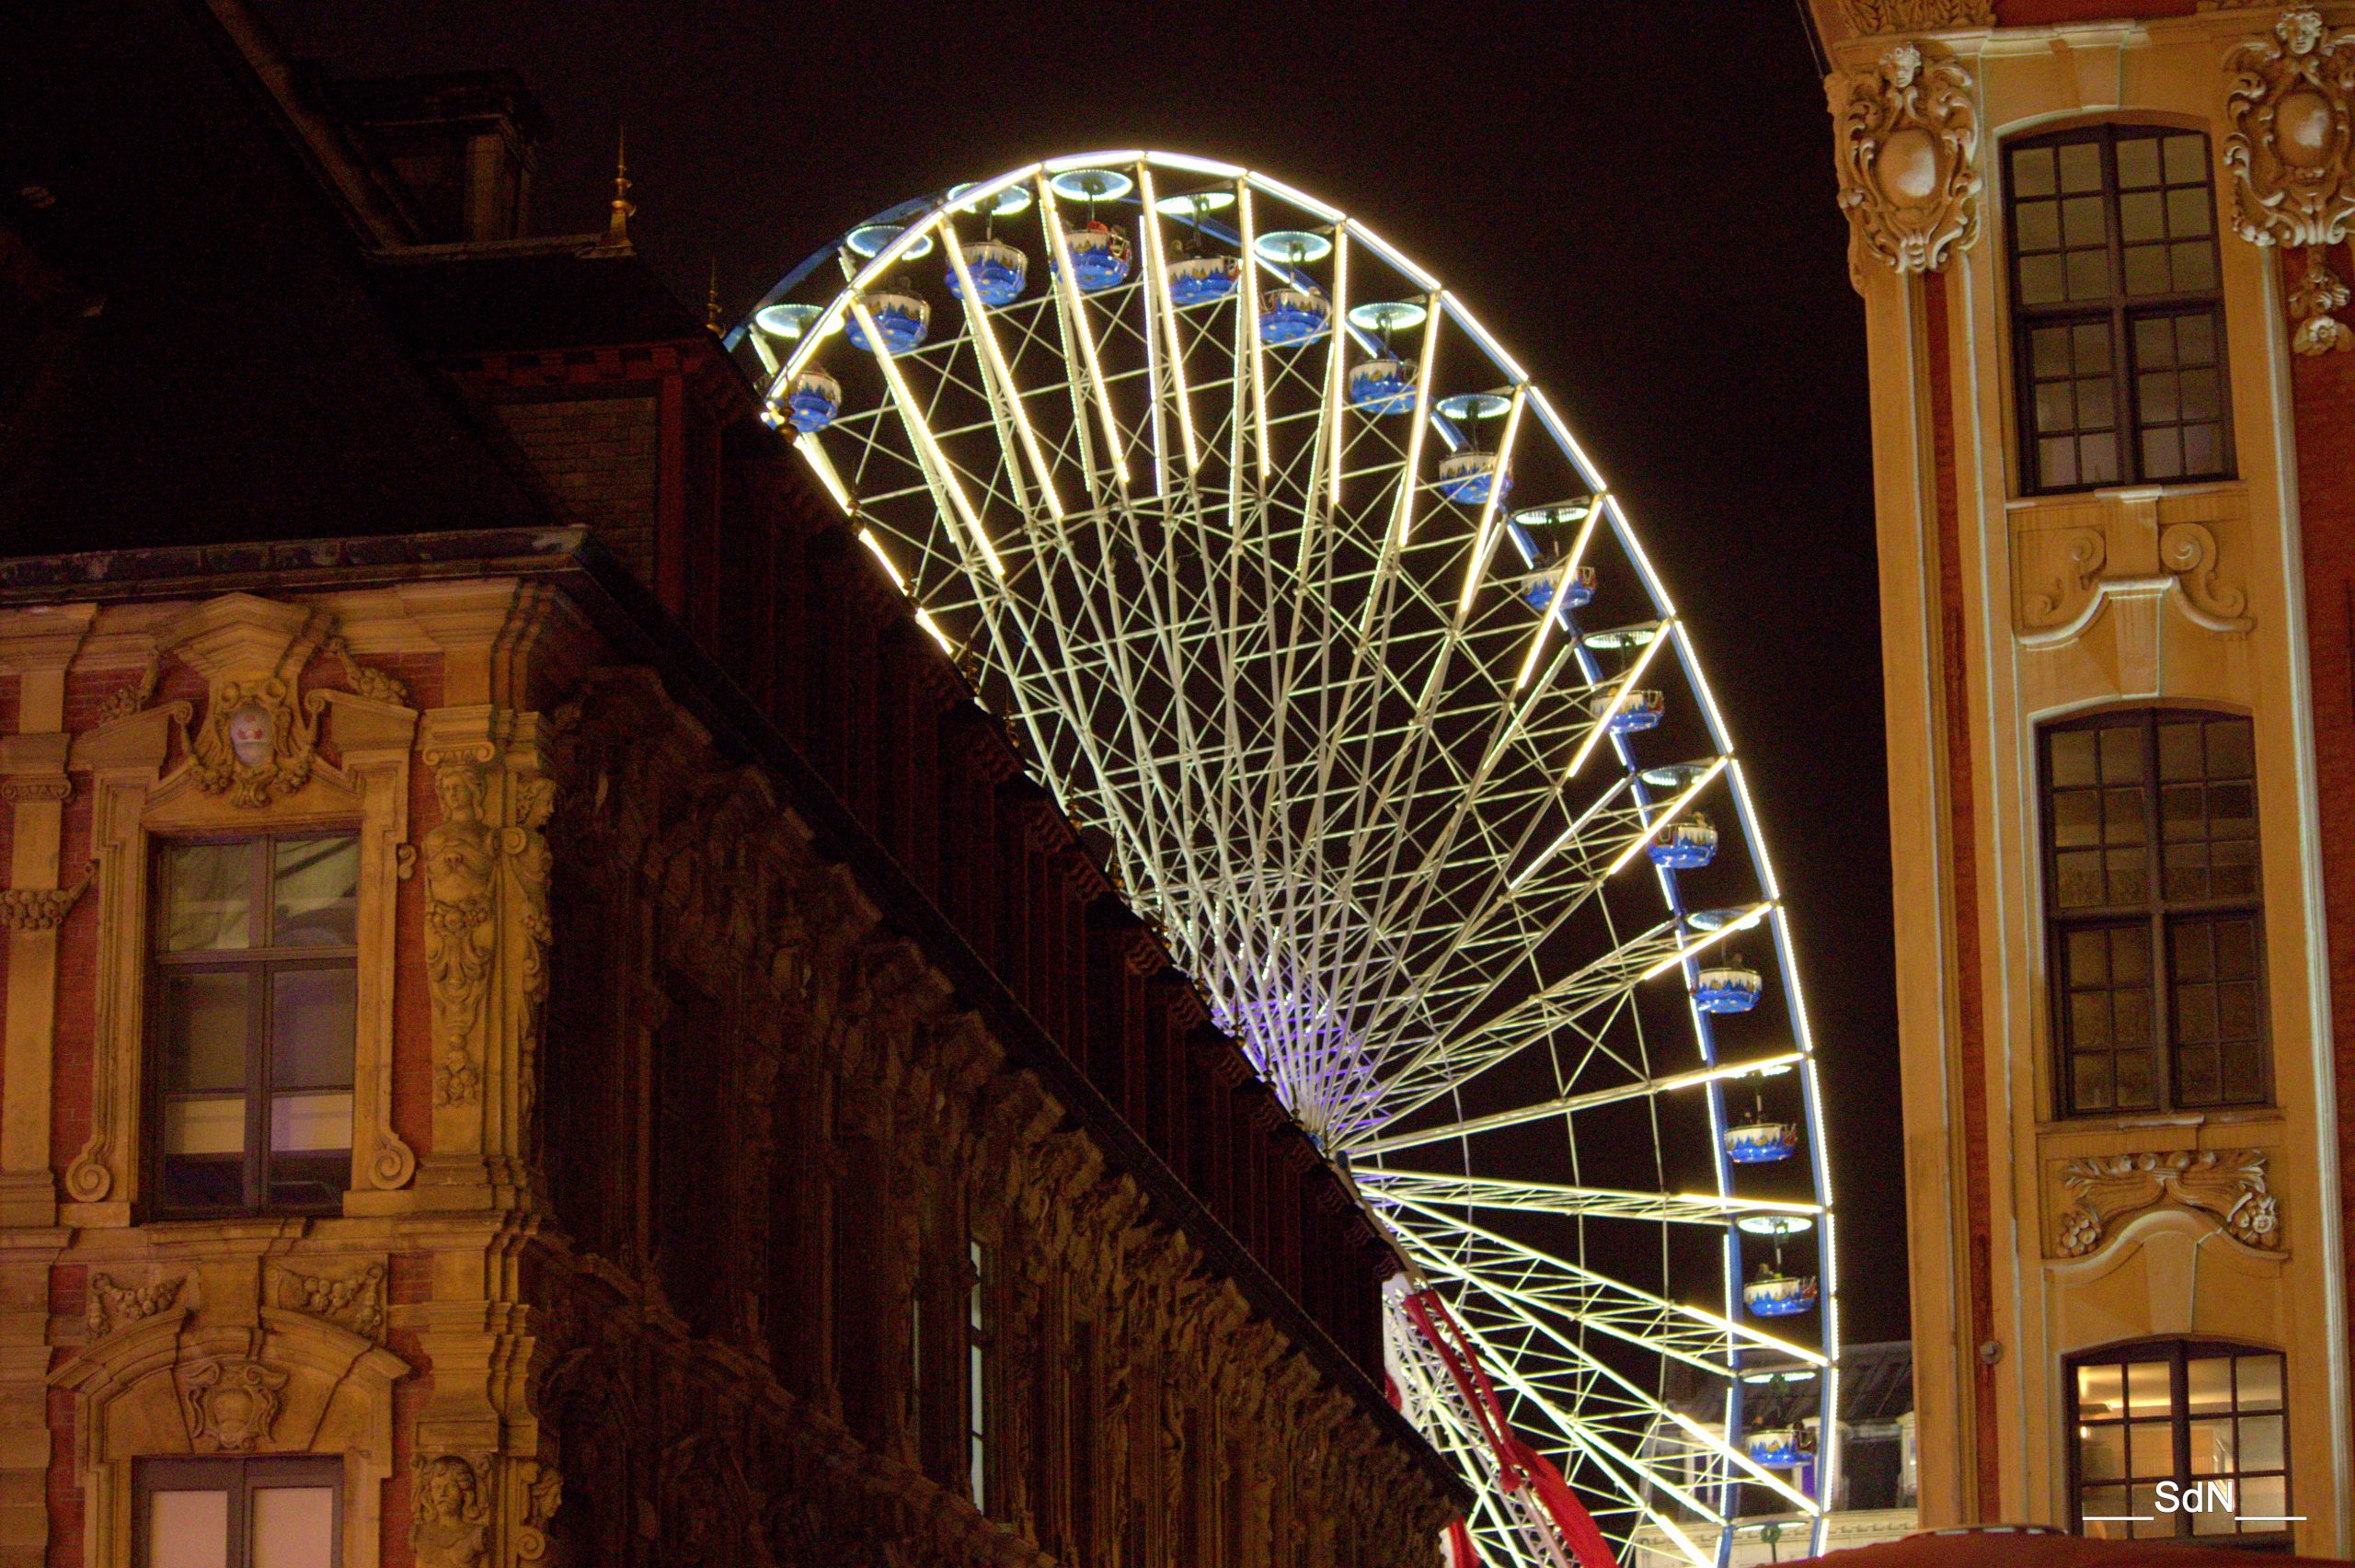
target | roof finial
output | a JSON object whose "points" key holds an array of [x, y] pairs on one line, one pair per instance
{"points": [[711, 300], [617, 226]]}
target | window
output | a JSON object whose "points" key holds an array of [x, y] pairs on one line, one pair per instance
{"points": [[2154, 1420], [273, 1513], [2152, 911], [976, 1343], [2119, 327], [251, 1010]]}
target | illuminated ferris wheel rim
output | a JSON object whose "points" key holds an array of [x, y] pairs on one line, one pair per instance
{"points": [[906, 233]]}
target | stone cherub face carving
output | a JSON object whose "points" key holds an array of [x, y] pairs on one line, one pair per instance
{"points": [[250, 735]]}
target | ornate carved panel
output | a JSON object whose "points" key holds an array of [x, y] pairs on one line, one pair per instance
{"points": [[2230, 1187], [2293, 182], [2071, 560], [1868, 16], [1906, 147]]}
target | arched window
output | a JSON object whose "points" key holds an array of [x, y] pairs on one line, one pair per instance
{"points": [[2177, 1438], [2118, 322], [2153, 913]]}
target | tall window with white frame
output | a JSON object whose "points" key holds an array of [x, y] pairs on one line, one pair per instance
{"points": [[2117, 312], [2153, 911], [2180, 1438], [251, 1009]]}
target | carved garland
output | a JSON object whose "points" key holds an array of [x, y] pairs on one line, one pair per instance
{"points": [[40, 909], [2289, 151], [1868, 16], [2229, 1187], [1906, 149]]}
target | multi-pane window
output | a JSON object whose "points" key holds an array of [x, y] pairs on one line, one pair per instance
{"points": [[2119, 326], [218, 1513], [251, 1012], [2152, 896], [2177, 1438]]}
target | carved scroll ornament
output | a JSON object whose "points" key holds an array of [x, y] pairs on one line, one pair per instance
{"points": [[461, 863], [2229, 1187], [1868, 16], [234, 1403], [1907, 146], [2293, 181], [257, 743]]}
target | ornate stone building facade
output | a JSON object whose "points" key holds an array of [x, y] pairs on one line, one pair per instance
{"points": [[2101, 248], [543, 1025]]}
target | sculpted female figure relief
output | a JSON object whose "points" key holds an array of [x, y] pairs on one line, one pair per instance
{"points": [[461, 859]]}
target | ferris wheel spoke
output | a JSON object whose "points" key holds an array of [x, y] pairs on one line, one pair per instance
{"points": [[1430, 1190], [1566, 1105], [997, 379]]}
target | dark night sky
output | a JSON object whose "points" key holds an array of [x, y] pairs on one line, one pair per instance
{"points": [[1638, 197]]}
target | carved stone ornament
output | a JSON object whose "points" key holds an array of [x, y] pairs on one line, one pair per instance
{"points": [[2293, 182], [461, 860], [356, 1303], [2229, 1187], [125, 701], [452, 1514], [40, 909], [374, 684], [257, 743], [232, 1401], [115, 1306], [1868, 16], [1907, 146]]}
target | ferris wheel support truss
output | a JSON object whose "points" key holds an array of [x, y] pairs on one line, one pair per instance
{"points": [[1326, 699]]}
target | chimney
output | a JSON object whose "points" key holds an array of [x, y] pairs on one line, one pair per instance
{"points": [[461, 143]]}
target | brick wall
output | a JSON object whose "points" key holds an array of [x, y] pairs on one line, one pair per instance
{"points": [[598, 455], [2323, 393]]}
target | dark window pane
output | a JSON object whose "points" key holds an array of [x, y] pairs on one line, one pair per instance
{"points": [[195, 1182], [206, 1018], [2087, 953], [2260, 1449], [2186, 872], [2243, 1073], [2088, 273], [2195, 266], [2202, 394], [2234, 863], [2258, 1382], [2056, 406], [308, 1181], [2187, 160], [2032, 171], [2057, 457], [2183, 812], [2076, 818], [2179, 756], [311, 1019], [2102, 1454], [2146, 269], [2097, 459], [2203, 449], [2201, 1080], [2122, 753], [2235, 948], [2129, 878], [2188, 211], [2131, 1019], [2072, 757], [2095, 405], [2137, 1084], [2129, 954], [2191, 956], [2138, 161], [2079, 879], [2154, 344], [2089, 1019], [2080, 167], [2231, 809], [2082, 223], [2162, 455], [2089, 346], [2142, 217], [2158, 390], [207, 892], [2041, 282], [2195, 1014], [318, 892], [2230, 755], [2089, 1086], [2039, 225], [2195, 338], [2048, 351]]}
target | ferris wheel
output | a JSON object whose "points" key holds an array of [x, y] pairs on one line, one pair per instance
{"points": [[1322, 628]]}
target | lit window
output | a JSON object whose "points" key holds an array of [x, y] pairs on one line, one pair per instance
{"points": [[2178, 1438], [2153, 911], [273, 1513], [2118, 325], [251, 1012]]}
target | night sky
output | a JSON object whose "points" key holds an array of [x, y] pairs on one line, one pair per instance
{"points": [[1636, 198]]}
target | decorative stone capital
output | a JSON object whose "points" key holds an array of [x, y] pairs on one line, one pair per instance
{"points": [[2294, 180], [2229, 1187], [1906, 152]]}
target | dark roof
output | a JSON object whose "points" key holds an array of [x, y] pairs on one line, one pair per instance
{"points": [[528, 295], [217, 365]]}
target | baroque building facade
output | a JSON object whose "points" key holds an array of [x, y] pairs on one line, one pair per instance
{"points": [[2101, 249], [544, 1025]]}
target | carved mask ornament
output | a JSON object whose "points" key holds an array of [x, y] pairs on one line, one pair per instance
{"points": [[2293, 183], [1907, 145], [257, 743]]}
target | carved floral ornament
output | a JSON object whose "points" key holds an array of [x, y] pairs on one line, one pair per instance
{"points": [[1906, 151], [2293, 182], [1868, 16], [2229, 1187]]}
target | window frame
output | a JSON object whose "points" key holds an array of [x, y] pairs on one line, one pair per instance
{"points": [[2157, 913], [2178, 1352], [261, 964], [2118, 309], [241, 1478]]}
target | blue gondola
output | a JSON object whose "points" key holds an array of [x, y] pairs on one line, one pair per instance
{"points": [[1728, 988], [1292, 315], [1383, 386], [1466, 476], [1776, 1448], [998, 269], [814, 401], [1685, 844], [1636, 711], [1762, 1143], [1195, 280], [1576, 593], [1774, 1295], [1099, 256], [900, 319]]}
